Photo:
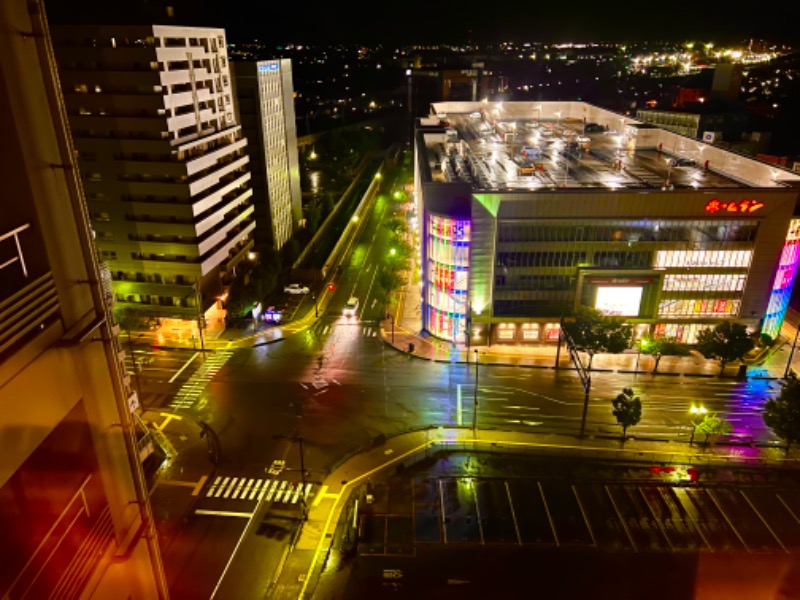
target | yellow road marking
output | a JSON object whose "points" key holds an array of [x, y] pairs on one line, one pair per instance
{"points": [[320, 494], [199, 485]]}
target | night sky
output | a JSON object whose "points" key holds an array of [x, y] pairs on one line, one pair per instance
{"points": [[413, 21]]}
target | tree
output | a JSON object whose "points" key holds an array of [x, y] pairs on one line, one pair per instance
{"points": [[727, 341], [396, 226], [782, 414], [593, 332], [390, 280], [659, 347], [627, 410], [712, 425]]}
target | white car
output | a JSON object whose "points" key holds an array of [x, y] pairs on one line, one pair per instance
{"points": [[295, 288], [351, 307]]}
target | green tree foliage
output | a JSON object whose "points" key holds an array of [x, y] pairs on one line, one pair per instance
{"points": [[390, 280], [782, 414], [728, 341], [396, 226], [712, 425], [659, 347], [593, 332], [627, 410], [127, 318]]}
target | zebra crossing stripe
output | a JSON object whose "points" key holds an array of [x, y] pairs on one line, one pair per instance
{"points": [[229, 489], [255, 489], [280, 491], [243, 488], [221, 487], [272, 490], [213, 486]]}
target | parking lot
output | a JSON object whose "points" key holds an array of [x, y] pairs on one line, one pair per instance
{"points": [[633, 509]]}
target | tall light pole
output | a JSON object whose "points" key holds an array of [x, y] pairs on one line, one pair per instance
{"points": [[198, 300], [696, 410], [475, 400], [299, 440], [791, 353]]}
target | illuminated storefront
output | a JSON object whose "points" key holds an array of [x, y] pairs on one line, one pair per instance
{"points": [[447, 254], [506, 256], [784, 281]]}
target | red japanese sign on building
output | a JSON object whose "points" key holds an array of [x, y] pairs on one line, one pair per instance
{"points": [[742, 206]]}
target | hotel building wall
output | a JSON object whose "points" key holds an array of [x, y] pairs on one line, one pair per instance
{"points": [[162, 158]]}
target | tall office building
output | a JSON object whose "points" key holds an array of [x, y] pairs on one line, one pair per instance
{"points": [[163, 161], [74, 509], [265, 96]]}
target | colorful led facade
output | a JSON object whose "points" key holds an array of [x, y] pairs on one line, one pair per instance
{"points": [[784, 281], [448, 242]]}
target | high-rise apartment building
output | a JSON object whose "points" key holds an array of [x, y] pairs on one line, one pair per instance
{"points": [[265, 96], [163, 161], [74, 509]]}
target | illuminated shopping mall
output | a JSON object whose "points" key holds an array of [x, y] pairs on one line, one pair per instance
{"points": [[530, 210]]}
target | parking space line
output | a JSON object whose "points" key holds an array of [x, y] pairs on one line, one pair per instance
{"points": [[621, 520], [727, 520], [786, 506], [444, 516], [763, 520], [685, 502], [513, 513], [585, 518], [656, 519], [478, 512], [547, 510]]}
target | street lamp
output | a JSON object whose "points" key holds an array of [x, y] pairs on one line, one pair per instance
{"points": [[391, 318], [696, 410], [475, 400]]}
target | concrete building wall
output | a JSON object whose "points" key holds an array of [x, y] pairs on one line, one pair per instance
{"points": [[70, 477]]}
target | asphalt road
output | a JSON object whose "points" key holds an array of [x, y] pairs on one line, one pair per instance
{"points": [[337, 386]]}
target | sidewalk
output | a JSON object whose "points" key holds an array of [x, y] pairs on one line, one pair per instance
{"points": [[403, 327]]}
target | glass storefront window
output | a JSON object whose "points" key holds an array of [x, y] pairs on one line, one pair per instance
{"points": [[447, 276]]}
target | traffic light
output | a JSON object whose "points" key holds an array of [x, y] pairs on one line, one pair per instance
{"points": [[330, 287]]}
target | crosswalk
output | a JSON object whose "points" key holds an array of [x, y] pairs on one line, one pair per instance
{"points": [[367, 331], [253, 489], [191, 391]]}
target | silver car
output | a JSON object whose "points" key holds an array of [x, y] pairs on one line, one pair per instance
{"points": [[295, 288]]}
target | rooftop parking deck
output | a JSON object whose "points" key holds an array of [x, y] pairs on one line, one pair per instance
{"points": [[526, 147], [531, 155]]}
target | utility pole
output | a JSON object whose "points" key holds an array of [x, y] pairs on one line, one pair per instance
{"points": [[475, 400], [299, 440], [135, 366], [198, 300], [791, 354]]}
